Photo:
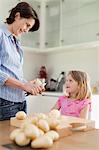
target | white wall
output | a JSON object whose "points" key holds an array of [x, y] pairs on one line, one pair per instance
{"points": [[32, 63], [87, 60]]}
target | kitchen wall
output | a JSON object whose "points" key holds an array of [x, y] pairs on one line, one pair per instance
{"points": [[83, 59], [78, 59], [32, 63]]}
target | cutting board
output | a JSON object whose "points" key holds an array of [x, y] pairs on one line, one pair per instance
{"points": [[63, 132], [69, 124]]}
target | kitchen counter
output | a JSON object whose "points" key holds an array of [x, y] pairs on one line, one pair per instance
{"points": [[52, 94], [77, 141], [57, 94]]}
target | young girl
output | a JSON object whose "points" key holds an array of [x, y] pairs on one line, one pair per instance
{"points": [[77, 103]]}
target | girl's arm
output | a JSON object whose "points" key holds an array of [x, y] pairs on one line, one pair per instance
{"points": [[85, 112], [55, 107], [58, 104]]}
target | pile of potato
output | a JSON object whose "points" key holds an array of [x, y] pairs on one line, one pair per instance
{"points": [[39, 130]]}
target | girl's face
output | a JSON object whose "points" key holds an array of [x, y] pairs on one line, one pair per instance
{"points": [[21, 25], [71, 85]]}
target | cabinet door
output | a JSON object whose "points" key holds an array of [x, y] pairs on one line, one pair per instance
{"points": [[40, 104], [5, 6], [80, 21], [32, 39], [52, 23]]}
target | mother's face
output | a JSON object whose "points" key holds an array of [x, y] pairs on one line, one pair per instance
{"points": [[22, 25]]}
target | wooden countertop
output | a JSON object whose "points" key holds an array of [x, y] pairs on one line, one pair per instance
{"points": [[77, 141]]}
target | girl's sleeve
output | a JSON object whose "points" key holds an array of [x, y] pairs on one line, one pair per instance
{"points": [[59, 102], [85, 103]]}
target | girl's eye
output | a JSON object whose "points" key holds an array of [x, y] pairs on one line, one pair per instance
{"points": [[70, 80]]}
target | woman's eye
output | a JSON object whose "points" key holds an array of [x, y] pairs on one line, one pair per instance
{"points": [[28, 26]]}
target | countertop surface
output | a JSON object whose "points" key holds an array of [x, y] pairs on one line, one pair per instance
{"points": [[54, 94], [77, 141], [57, 94]]}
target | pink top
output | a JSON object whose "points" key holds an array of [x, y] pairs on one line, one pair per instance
{"points": [[72, 107]]}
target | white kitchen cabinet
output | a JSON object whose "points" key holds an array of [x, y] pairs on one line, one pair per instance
{"points": [[95, 110], [80, 22], [40, 103], [32, 39], [43, 104], [65, 24]]}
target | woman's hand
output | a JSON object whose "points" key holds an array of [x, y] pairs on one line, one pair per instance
{"points": [[33, 88]]}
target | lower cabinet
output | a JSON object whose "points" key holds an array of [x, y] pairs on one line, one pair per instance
{"points": [[43, 104], [40, 104]]}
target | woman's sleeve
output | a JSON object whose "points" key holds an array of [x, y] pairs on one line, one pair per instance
{"points": [[24, 80], [3, 76]]}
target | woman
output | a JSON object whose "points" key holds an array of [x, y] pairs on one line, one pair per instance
{"points": [[22, 19]]}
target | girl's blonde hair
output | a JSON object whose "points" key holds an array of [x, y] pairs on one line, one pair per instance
{"points": [[82, 78]]}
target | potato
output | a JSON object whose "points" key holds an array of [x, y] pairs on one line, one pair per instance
{"points": [[60, 126], [43, 125], [21, 115], [54, 113], [52, 134], [38, 82], [53, 122], [34, 120], [31, 131], [41, 116], [42, 142], [21, 139], [41, 132], [24, 125], [14, 134], [63, 117]]}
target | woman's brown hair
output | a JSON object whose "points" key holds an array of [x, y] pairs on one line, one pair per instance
{"points": [[26, 11]]}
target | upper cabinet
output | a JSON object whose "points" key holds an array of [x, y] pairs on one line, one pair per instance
{"points": [[63, 23], [80, 21], [32, 39]]}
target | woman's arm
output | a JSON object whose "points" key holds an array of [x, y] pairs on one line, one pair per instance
{"points": [[28, 87]]}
